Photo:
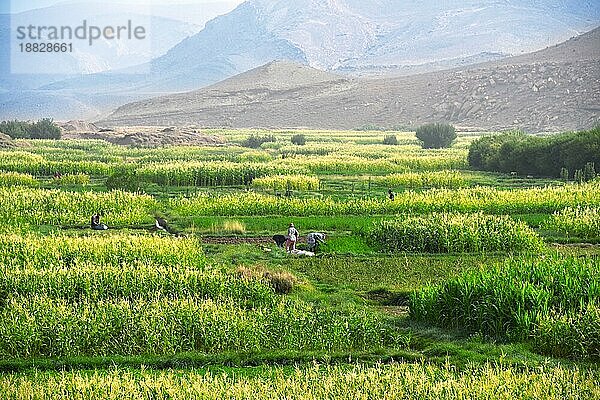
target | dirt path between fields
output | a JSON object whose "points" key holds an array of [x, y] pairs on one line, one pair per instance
{"points": [[263, 240]]}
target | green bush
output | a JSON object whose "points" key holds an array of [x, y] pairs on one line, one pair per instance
{"points": [[299, 140], [43, 129], [370, 128], [255, 141], [567, 155], [436, 136], [391, 140]]}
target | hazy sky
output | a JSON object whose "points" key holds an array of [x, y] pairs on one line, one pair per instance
{"points": [[15, 6]]}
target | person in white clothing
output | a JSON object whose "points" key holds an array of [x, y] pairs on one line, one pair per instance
{"points": [[292, 238]]}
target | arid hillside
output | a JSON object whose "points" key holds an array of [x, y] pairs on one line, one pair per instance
{"points": [[550, 90]]}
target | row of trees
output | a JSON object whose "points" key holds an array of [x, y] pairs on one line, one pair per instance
{"points": [[431, 136], [43, 129], [567, 155]]}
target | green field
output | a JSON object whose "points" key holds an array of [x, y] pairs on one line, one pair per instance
{"points": [[467, 284]]}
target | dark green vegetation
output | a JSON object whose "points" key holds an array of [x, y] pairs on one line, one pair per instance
{"points": [[254, 141], [43, 129], [436, 136], [299, 139], [573, 155], [391, 140], [460, 270]]}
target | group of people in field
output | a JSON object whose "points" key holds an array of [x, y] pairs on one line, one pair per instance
{"points": [[313, 240]]}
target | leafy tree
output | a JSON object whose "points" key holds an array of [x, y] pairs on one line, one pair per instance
{"points": [[436, 136], [552, 156]]}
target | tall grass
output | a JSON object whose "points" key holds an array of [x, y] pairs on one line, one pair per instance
{"points": [[60, 251], [40, 326], [447, 233], [17, 179], [229, 226], [488, 200], [72, 179], [442, 179], [134, 295], [36, 164], [582, 222], [92, 282], [291, 182], [207, 173], [547, 301], [20, 206], [394, 381]]}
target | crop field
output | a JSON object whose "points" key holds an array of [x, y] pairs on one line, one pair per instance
{"points": [[462, 284]]}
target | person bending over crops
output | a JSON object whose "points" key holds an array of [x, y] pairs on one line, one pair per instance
{"points": [[314, 240], [292, 238], [391, 195], [96, 225]]}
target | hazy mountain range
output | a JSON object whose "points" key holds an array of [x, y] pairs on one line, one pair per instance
{"points": [[351, 37], [550, 90]]}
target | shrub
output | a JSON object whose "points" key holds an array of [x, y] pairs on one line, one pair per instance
{"points": [[370, 128], [299, 140], [43, 129], [436, 136], [255, 141], [390, 140], [282, 282]]}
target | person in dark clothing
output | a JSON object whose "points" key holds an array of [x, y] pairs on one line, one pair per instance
{"points": [[391, 195], [96, 225]]}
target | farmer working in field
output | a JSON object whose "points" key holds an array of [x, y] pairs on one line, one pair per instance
{"points": [[96, 225], [314, 240], [292, 238]]}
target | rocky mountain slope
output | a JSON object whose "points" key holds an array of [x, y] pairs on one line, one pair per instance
{"points": [[350, 37], [360, 37], [553, 89]]}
